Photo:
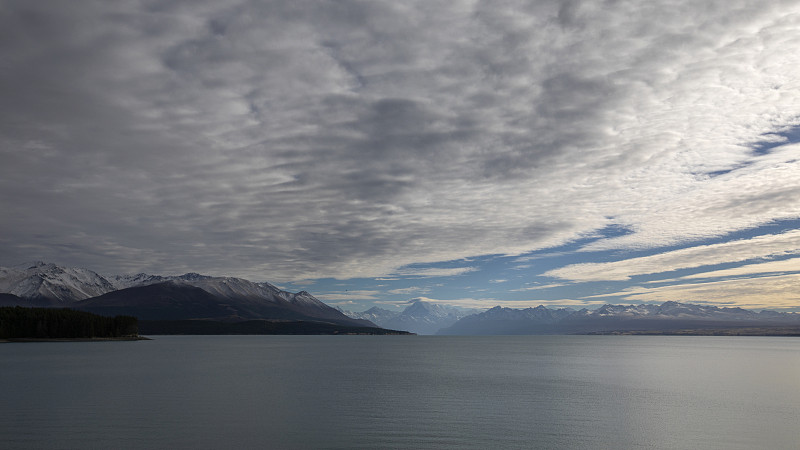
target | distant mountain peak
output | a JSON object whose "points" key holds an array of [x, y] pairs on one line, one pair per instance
{"points": [[376, 309], [420, 316], [668, 315]]}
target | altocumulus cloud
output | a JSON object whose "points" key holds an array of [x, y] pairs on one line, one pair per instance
{"points": [[736, 251], [298, 139]]}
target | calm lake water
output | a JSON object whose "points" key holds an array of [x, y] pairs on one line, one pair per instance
{"points": [[287, 392]]}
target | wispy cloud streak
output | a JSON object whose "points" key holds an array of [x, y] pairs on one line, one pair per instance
{"points": [[766, 246]]}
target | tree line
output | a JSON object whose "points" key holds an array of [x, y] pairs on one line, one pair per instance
{"points": [[59, 323]]}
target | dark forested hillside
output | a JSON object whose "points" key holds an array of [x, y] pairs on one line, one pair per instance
{"points": [[58, 323]]}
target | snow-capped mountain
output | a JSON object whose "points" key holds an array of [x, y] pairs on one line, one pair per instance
{"points": [[673, 310], [539, 313], [375, 314], [51, 283], [185, 296], [419, 317], [667, 316], [230, 288], [140, 279]]}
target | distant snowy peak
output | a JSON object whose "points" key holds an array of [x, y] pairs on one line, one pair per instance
{"points": [[539, 313], [57, 284], [419, 317], [673, 310], [375, 314], [41, 280], [505, 319], [140, 279], [667, 310], [610, 318], [421, 309]]}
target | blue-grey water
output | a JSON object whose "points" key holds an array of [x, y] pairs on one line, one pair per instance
{"points": [[409, 392]]}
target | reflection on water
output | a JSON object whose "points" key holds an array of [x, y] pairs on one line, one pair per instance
{"points": [[403, 392]]}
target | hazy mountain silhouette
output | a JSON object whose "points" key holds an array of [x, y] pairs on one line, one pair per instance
{"points": [[668, 316], [418, 317]]}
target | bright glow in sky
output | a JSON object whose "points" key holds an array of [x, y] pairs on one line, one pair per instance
{"points": [[471, 153]]}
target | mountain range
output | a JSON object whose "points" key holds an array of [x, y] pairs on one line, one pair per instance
{"points": [[157, 297], [667, 317], [418, 317], [234, 300]]}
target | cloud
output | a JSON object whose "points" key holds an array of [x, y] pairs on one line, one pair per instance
{"points": [[349, 295], [408, 290], [764, 285], [292, 140], [765, 246], [434, 272], [782, 266], [538, 287], [767, 292]]}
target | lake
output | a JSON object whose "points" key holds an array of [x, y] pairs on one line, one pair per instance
{"points": [[414, 392]]}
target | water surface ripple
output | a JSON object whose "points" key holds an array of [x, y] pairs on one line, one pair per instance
{"points": [[351, 392]]}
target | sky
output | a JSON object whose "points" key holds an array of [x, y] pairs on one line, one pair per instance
{"points": [[470, 153]]}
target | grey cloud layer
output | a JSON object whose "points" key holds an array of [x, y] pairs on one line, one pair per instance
{"points": [[295, 139]]}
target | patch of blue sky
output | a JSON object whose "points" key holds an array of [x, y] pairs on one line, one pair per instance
{"points": [[789, 135], [488, 280]]}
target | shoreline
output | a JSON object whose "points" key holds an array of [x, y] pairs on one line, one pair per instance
{"points": [[97, 339]]}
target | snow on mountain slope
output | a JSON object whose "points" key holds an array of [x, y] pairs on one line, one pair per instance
{"points": [[539, 314], [227, 287], [139, 279], [668, 315], [375, 314], [419, 317], [65, 285], [306, 300], [674, 310], [40, 280]]}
